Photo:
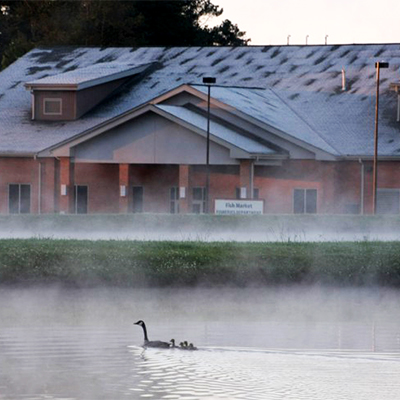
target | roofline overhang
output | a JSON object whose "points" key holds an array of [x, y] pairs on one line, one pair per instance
{"points": [[65, 147], [87, 84], [18, 155], [368, 158], [130, 114]]}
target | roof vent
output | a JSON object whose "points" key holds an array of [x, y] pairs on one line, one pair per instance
{"points": [[343, 79]]}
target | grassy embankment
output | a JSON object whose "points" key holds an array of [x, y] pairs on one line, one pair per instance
{"points": [[133, 264]]}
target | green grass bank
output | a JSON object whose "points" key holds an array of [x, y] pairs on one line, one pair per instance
{"points": [[84, 263]]}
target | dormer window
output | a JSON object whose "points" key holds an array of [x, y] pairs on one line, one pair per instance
{"points": [[52, 106], [69, 95]]}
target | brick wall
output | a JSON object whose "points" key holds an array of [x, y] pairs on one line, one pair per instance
{"points": [[23, 170], [338, 184], [103, 186]]}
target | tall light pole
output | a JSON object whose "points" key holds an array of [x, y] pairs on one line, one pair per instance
{"points": [[378, 66], [208, 80]]}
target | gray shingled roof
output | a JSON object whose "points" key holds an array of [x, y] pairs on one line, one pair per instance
{"points": [[219, 131], [89, 76], [268, 107], [303, 82]]}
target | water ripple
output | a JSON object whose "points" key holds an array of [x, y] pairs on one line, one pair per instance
{"points": [[260, 374]]}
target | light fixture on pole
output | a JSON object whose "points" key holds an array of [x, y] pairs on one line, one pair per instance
{"points": [[378, 66], [208, 80]]}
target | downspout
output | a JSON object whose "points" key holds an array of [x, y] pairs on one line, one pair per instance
{"points": [[33, 106], [362, 186], [251, 188], [39, 184]]}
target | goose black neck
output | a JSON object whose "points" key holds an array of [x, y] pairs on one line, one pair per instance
{"points": [[146, 339]]}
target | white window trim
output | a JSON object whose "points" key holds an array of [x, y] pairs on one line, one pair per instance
{"points": [[51, 99]]}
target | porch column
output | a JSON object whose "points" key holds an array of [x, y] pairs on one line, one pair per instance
{"points": [[246, 179], [183, 189], [67, 185], [123, 188]]}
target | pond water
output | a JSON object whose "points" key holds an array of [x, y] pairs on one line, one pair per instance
{"points": [[276, 343]]}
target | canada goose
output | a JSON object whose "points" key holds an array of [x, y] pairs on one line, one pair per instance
{"points": [[172, 345], [151, 343], [191, 347]]}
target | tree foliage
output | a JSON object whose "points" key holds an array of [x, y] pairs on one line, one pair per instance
{"points": [[25, 24]]}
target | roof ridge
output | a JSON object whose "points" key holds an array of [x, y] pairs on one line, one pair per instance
{"points": [[304, 120]]}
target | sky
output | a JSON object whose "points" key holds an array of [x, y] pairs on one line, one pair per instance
{"points": [[270, 22]]}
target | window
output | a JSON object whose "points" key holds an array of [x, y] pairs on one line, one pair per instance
{"points": [[174, 197], [81, 199], [388, 201], [199, 200], [52, 106], [256, 193], [305, 201], [137, 198], [19, 199]]}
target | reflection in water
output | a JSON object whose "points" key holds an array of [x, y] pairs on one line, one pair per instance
{"points": [[304, 343]]}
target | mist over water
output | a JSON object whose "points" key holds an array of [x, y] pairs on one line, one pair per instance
{"points": [[207, 228], [270, 234], [275, 343]]}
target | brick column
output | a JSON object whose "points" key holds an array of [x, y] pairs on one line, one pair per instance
{"points": [[123, 188], [246, 177], [183, 189], [67, 185]]}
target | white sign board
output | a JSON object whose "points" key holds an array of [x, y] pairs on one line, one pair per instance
{"points": [[239, 207]]}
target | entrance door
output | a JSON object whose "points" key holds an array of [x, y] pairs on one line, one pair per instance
{"points": [[81, 199], [174, 198], [137, 198], [199, 200]]}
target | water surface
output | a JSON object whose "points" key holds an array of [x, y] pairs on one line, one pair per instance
{"points": [[287, 343]]}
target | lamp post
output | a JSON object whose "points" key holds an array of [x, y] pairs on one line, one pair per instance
{"points": [[378, 66], [208, 80]]}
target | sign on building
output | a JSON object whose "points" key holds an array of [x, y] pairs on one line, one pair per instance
{"points": [[239, 207]]}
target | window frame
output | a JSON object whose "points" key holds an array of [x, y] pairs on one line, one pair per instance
{"points": [[305, 205], [380, 192], [47, 100], [19, 202]]}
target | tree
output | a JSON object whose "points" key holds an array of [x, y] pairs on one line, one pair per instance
{"points": [[25, 24]]}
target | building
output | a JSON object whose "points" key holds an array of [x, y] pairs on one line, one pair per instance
{"points": [[120, 130]]}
